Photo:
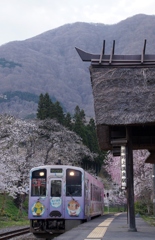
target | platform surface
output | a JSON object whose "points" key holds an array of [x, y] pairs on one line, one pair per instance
{"points": [[110, 227]]}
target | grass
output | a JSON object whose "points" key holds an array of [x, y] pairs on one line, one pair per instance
{"points": [[5, 222], [9, 216], [149, 219], [113, 209]]}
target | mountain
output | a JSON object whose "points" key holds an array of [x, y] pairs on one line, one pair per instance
{"points": [[49, 62]]}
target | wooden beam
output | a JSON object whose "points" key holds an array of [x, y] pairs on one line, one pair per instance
{"points": [[151, 158]]}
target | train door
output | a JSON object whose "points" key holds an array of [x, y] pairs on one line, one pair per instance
{"points": [[56, 199]]}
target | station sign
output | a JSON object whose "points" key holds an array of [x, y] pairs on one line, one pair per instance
{"points": [[123, 167]]}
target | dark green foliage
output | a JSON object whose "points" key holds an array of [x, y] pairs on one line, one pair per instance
{"points": [[9, 64], [48, 109], [89, 137], [43, 110], [92, 136], [27, 96], [141, 208], [7, 96], [58, 112], [79, 115], [68, 121], [77, 123]]}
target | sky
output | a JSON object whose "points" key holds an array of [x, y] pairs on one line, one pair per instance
{"points": [[23, 19]]}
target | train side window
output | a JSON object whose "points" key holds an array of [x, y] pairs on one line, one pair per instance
{"points": [[73, 183], [38, 183], [56, 188]]}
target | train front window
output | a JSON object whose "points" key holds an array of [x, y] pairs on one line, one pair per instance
{"points": [[38, 183], [73, 183], [56, 188]]}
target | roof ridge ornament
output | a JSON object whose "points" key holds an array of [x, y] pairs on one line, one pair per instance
{"points": [[118, 60]]}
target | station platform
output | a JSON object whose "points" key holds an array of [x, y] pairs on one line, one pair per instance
{"points": [[110, 227]]}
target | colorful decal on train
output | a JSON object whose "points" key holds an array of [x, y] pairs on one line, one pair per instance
{"points": [[56, 202], [73, 208], [38, 209]]}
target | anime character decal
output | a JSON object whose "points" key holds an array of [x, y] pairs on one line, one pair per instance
{"points": [[73, 208], [38, 209]]}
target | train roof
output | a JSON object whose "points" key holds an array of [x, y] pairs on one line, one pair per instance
{"points": [[56, 166]]}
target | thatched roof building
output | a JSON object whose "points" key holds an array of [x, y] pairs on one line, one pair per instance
{"points": [[124, 97]]}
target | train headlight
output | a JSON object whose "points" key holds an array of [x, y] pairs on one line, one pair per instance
{"points": [[71, 173], [41, 174]]}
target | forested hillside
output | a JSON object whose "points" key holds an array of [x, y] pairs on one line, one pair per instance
{"points": [[50, 63]]}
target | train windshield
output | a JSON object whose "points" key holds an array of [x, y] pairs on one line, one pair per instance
{"points": [[56, 188], [73, 183], [38, 183]]}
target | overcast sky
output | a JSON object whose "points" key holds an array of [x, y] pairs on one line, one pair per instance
{"points": [[22, 19]]}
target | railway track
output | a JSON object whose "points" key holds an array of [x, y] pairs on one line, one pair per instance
{"points": [[14, 233]]}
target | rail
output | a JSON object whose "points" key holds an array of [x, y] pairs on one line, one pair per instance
{"points": [[14, 233]]}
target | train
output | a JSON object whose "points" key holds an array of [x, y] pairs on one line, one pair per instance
{"points": [[62, 197]]}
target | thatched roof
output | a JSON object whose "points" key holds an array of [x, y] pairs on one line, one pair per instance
{"points": [[123, 96]]}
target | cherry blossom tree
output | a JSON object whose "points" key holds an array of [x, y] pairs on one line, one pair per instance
{"points": [[142, 177], [28, 144], [143, 184]]}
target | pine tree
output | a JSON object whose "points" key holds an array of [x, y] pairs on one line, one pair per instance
{"points": [[68, 121], [47, 103], [79, 114], [58, 112], [92, 136], [44, 106], [79, 124], [40, 111]]}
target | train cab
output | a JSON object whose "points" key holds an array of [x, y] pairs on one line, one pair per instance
{"points": [[58, 195]]}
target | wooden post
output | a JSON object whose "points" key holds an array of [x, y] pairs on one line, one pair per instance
{"points": [[153, 189], [130, 186]]}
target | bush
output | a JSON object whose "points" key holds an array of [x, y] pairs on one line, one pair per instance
{"points": [[141, 208]]}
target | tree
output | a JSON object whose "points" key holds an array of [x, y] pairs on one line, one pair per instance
{"points": [[68, 121], [58, 114], [40, 114], [44, 106], [92, 136], [47, 105], [79, 114], [79, 124], [142, 175]]}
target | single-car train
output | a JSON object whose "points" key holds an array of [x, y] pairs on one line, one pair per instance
{"points": [[61, 197]]}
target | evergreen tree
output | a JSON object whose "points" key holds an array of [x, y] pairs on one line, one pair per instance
{"points": [[92, 136], [79, 124], [40, 111], [68, 121], [52, 110], [58, 112], [47, 104], [44, 106], [79, 114]]}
